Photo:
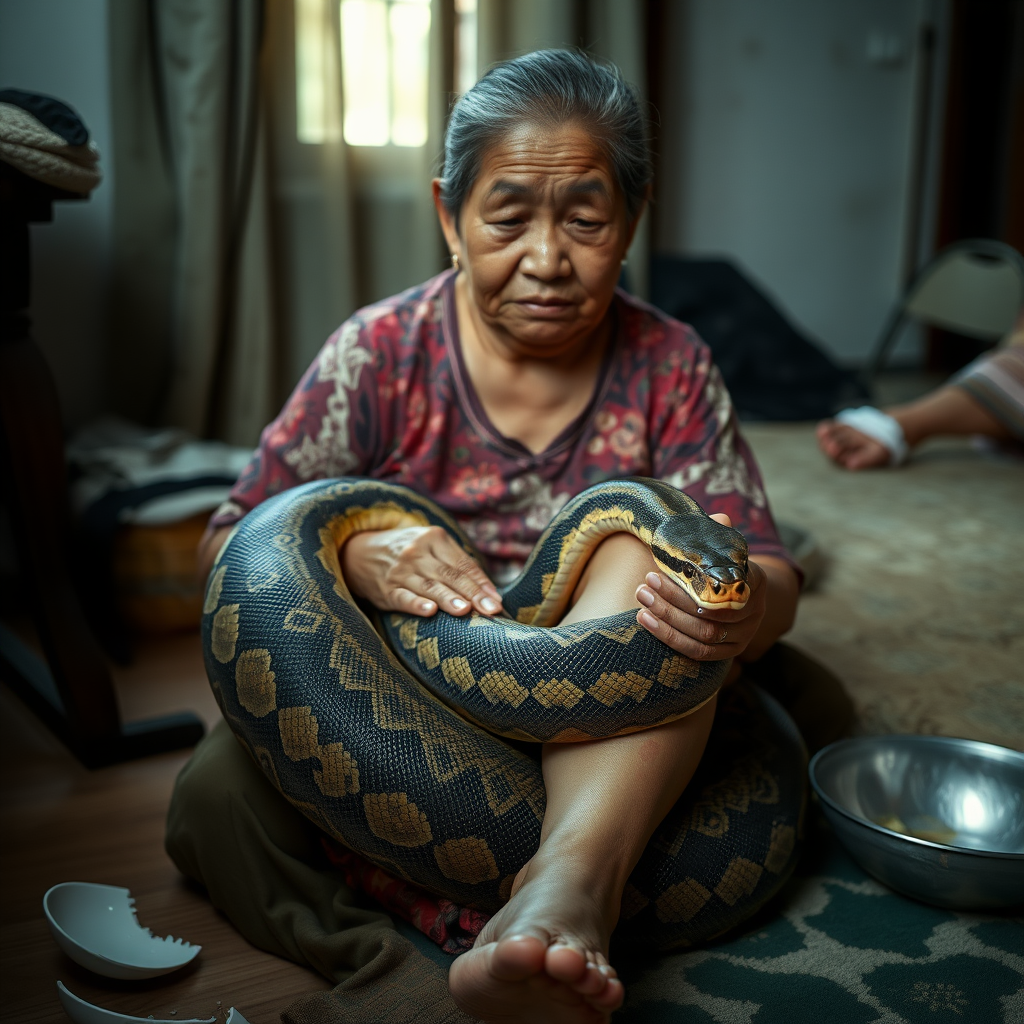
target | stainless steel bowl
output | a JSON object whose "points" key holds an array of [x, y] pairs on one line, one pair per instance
{"points": [[936, 818]]}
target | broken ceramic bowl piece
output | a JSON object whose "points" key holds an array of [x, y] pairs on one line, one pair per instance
{"points": [[96, 926], [82, 1012], [88, 1013]]}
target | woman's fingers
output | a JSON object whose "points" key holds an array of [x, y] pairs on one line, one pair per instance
{"points": [[417, 570], [457, 599], [681, 642], [463, 579], [670, 614], [408, 601], [685, 633]]}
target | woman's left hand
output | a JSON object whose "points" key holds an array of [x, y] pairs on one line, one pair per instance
{"points": [[670, 614]]}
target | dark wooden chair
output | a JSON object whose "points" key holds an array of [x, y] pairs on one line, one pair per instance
{"points": [[72, 690]]}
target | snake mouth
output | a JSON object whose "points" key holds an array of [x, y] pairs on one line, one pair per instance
{"points": [[714, 586], [724, 587]]}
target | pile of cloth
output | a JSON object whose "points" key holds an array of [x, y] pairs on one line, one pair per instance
{"points": [[45, 139], [140, 499]]}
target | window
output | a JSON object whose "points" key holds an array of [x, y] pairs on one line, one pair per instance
{"points": [[465, 45], [384, 57], [384, 49], [316, 115]]}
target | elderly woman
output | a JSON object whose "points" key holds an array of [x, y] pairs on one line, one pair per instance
{"points": [[500, 389]]}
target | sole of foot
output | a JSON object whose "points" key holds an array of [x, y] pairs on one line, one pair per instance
{"points": [[521, 978]]}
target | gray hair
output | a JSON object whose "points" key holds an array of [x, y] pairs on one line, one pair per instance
{"points": [[548, 87]]}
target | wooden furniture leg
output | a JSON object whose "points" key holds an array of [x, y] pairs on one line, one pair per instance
{"points": [[72, 691]]}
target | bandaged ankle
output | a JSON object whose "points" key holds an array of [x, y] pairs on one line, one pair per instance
{"points": [[880, 427]]}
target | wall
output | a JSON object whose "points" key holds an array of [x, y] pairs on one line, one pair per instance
{"points": [[59, 47], [785, 147], [787, 132]]}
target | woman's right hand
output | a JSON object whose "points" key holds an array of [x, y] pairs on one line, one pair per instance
{"points": [[417, 570]]}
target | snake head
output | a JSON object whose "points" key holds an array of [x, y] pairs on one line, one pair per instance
{"points": [[708, 560]]}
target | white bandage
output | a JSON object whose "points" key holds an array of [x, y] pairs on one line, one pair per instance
{"points": [[880, 427]]}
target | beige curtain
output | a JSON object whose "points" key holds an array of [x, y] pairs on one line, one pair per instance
{"points": [[240, 247], [315, 206], [345, 240], [194, 340], [613, 29]]}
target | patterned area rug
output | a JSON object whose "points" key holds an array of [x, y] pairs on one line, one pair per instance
{"points": [[835, 947], [917, 610], [841, 948]]}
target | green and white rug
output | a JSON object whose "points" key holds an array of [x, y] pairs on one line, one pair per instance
{"points": [[837, 947]]}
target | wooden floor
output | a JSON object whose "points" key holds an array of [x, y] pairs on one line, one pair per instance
{"points": [[60, 822]]}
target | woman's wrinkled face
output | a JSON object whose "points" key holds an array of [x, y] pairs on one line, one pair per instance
{"points": [[540, 239]]}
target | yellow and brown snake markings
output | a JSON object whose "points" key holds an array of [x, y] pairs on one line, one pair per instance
{"points": [[390, 731]]}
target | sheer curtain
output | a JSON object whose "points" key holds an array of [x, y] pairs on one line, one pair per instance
{"points": [[194, 339], [242, 237], [315, 207], [238, 246]]}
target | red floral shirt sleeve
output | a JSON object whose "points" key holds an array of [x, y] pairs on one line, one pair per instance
{"points": [[328, 427]]}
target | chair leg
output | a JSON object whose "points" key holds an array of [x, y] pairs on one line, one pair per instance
{"points": [[72, 691]]}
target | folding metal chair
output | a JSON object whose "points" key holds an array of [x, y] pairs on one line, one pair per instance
{"points": [[974, 287]]}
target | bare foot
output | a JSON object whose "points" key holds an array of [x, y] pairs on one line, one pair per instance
{"points": [[542, 958], [850, 448]]}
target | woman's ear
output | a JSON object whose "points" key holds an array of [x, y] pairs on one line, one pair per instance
{"points": [[451, 233]]}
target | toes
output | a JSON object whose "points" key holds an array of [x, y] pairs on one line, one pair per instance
{"points": [[565, 963], [610, 997], [592, 982], [518, 957], [601, 988]]}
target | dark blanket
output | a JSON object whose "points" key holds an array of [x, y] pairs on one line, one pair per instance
{"points": [[771, 370]]}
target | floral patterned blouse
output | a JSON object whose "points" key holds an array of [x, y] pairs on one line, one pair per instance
{"points": [[388, 397]]}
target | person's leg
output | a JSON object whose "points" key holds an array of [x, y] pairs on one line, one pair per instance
{"points": [[542, 957], [950, 410], [262, 864]]}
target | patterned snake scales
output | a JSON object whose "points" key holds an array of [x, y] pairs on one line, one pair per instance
{"points": [[384, 730]]}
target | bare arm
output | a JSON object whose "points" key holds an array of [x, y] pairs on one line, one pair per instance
{"points": [[783, 589], [948, 411]]}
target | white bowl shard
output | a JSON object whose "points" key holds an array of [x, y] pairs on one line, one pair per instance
{"points": [[234, 1017], [96, 926], [82, 1012]]}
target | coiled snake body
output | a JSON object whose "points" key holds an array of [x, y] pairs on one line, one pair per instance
{"points": [[385, 732]]}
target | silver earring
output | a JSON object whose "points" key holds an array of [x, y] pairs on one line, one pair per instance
{"points": [[624, 262], [455, 260]]}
